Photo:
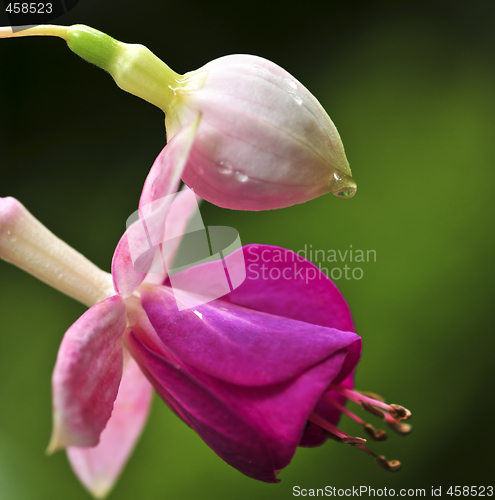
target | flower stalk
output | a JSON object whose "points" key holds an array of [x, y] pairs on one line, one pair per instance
{"points": [[134, 67]]}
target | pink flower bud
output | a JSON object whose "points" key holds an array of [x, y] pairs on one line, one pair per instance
{"points": [[264, 140]]}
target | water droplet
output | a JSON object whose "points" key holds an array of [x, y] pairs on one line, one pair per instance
{"points": [[241, 177], [342, 185], [198, 314], [291, 83], [225, 167], [298, 99]]}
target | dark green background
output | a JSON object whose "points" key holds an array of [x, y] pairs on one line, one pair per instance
{"points": [[411, 88]]}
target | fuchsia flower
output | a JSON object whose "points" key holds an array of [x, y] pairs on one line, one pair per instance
{"points": [[264, 141], [256, 373]]}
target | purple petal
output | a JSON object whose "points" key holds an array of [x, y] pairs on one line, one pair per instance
{"points": [[87, 375], [143, 236], [314, 434], [269, 371], [240, 345], [98, 467], [291, 287], [223, 430], [254, 429], [306, 294], [281, 282]]}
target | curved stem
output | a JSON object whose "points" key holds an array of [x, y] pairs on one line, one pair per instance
{"points": [[43, 30], [134, 67]]}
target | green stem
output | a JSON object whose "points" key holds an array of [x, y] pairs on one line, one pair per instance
{"points": [[134, 68]]}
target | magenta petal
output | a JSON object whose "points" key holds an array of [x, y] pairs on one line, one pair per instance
{"points": [[240, 345], [314, 434], [87, 375], [98, 467], [142, 238], [228, 434], [290, 286], [254, 429], [281, 282]]}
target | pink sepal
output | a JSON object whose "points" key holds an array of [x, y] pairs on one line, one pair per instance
{"points": [[87, 375], [99, 467]]}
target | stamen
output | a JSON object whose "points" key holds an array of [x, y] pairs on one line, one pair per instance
{"points": [[400, 413], [391, 466], [373, 395], [396, 411], [343, 409], [374, 411], [400, 428], [376, 435], [332, 429], [353, 441]]}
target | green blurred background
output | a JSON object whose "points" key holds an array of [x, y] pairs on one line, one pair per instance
{"points": [[411, 88]]}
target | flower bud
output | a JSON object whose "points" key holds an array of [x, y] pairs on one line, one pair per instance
{"points": [[264, 140]]}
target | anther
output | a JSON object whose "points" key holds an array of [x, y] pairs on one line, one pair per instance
{"points": [[391, 466], [400, 428], [374, 411], [374, 434], [370, 404], [353, 441], [399, 412]]}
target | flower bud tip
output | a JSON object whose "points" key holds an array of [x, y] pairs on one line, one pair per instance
{"points": [[343, 185]]}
